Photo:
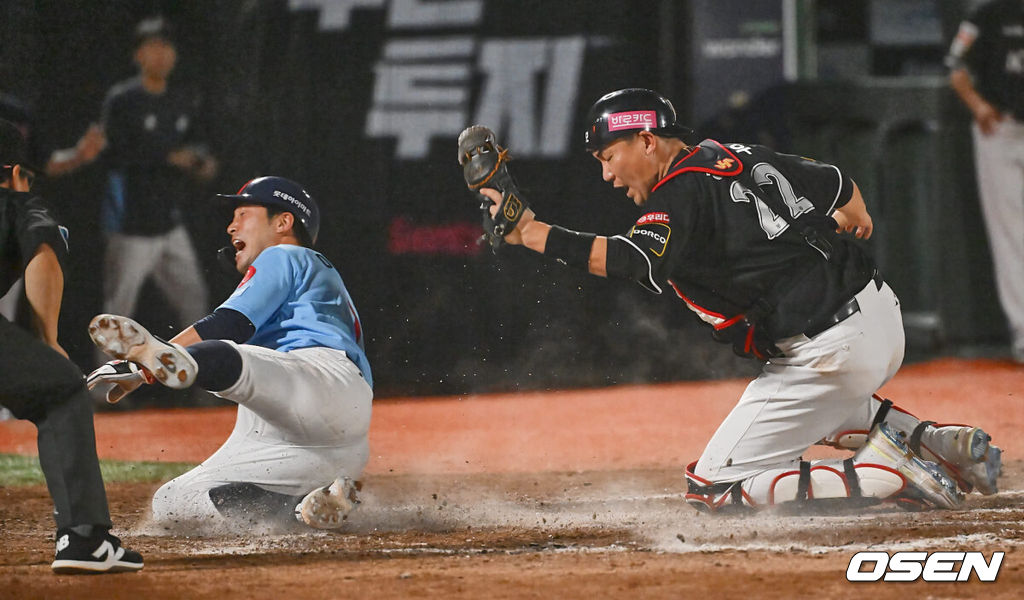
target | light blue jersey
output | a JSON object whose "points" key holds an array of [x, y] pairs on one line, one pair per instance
{"points": [[296, 299]]}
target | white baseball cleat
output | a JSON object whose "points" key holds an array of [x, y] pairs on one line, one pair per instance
{"points": [[328, 507], [967, 454], [123, 338], [925, 479]]}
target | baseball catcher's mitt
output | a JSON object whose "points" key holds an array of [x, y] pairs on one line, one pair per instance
{"points": [[485, 164]]}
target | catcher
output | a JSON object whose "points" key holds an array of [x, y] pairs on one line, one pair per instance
{"points": [[750, 241]]}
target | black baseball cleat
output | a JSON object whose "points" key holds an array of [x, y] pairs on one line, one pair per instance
{"points": [[99, 553]]}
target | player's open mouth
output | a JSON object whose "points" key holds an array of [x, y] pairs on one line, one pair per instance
{"points": [[239, 245]]}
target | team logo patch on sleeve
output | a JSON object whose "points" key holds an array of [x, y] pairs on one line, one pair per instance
{"points": [[652, 237], [653, 217], [248, 275]]}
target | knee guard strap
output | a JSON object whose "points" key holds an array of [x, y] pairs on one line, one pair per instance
{"points": [[852, 480], [706, 496], [883, 411], [915, 438], [804, 483]]}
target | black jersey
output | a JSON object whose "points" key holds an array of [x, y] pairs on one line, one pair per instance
{"points": [[145, 193], [26, 222], [735, 226], [990, 44]]}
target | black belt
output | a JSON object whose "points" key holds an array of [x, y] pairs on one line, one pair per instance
{"points": [[849, 308]]}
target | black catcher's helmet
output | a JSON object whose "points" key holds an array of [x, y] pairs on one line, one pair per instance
{"points": [[627, 111]]}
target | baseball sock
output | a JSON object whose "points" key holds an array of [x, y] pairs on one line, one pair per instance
{"points": [[220, 365]]}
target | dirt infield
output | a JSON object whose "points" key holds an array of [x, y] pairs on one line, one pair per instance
{"points": [[564, 494]]}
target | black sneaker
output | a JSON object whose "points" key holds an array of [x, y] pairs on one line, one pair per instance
{"points": [[100, 553]]}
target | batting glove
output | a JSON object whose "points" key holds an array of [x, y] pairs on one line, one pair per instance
{"points": [[124, 375]]}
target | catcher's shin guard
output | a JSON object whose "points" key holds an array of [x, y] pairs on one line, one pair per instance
{"points": [[925, 480], [963, 452], [854, 439], [883, 468], [822, 485]]}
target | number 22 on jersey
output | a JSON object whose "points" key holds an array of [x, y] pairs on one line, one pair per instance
{"points": [[770, 180]]}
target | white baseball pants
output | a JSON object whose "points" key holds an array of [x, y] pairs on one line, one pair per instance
{"points": [[303, 420], [816, 389], [169, 258], [999, 163]]}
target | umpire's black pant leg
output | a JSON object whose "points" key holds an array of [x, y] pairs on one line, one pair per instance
{"points": [[41, 386]]}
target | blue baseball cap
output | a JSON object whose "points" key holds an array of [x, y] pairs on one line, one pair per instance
{"points": [[283, 194]]}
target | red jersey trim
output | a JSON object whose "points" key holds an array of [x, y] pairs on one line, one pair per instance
{"points": [[355, 321], [726, 321], [735, 171]]}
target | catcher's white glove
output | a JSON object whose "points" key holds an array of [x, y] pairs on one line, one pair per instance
{"points": [[125, 376]]}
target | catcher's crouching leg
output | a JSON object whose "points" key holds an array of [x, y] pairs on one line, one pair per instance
{"points": [[884, 468], [964, 452]]}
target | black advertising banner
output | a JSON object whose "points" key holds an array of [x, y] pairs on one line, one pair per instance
{"points": [[737, 56], [382, 90], [362, 102]]}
